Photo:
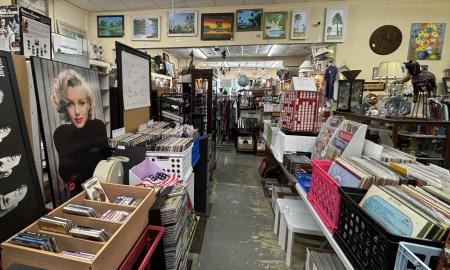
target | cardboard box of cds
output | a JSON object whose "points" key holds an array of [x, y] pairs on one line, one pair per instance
{"points": [[77, 251]]}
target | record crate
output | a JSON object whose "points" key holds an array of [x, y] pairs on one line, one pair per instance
{"points": [[408, 257], [174, 162], [324, 194], [300, 111], [365, 242], [109, 254]]}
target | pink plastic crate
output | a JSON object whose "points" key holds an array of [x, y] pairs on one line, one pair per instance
{"points": [[324, 194]]}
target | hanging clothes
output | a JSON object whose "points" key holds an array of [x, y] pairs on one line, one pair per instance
{"points": [[330, 78]]}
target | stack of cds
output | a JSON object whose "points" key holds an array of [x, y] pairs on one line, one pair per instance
{"points": [[40, 241], [79, 210], [66, 226], [115, 215], [89, 233], [55, 224], [180, 222], [78, 255], [126, 200]]}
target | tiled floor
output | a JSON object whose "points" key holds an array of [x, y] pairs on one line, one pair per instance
{"points": [[239, 233]]}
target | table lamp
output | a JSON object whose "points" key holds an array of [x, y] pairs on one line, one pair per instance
{"points": [[391, 70], [306, 67]]}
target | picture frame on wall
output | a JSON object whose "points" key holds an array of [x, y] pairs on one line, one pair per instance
{"points": [[182, 23], [166, 57], [110, 26], [275, 24], [146, 28], [335, 24], [68, 30], [299, 24], [426, 41], [249, 20], [217, 26], [446, 82], [39, 6]]}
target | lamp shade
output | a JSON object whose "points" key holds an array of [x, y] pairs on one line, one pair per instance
{"points": [[306, 67], [390, 70]]}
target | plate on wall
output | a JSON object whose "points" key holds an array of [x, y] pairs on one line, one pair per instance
{"points": [[385, 40]]}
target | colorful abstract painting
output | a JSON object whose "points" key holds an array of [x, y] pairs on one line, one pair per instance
{"points": [[426, 41], [217, 26]]}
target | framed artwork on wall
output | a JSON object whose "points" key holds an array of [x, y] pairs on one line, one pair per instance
{"points": [[182, 23], [74, 142], [39, 6], [335, 24], [446, 82], [110, 26], [275, 25], [166, 57], [249, 20], [21, 200], [217, 26], [68, 30], [299, 24], [426, 41], [146, 28]]}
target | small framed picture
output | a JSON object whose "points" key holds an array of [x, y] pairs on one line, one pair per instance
{"points": [[335, 24], [110, 26], [275, 25], [375, 75], [299, 24], [446, 82], [217, 26], [249, 20], [166, 57]]}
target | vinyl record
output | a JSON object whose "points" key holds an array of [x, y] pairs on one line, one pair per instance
{"points": [[385, 40]]}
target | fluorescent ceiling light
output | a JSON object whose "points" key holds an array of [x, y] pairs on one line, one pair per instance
{"points": [[199, 53], [272, 50]]}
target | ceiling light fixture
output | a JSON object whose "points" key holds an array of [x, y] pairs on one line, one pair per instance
{"points": [[200, 53], [272, 50]]}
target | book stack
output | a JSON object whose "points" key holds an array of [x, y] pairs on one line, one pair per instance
{"points": [[300, 111], [326, 132], [361, 173], [408, 211], [179, 220]]}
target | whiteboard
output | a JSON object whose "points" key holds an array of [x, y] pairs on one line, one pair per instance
{"points": [[135, 81]]}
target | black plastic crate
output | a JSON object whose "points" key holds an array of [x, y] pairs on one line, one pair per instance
{"points": [[365, 242]]}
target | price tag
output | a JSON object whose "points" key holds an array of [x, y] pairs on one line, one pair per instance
{"points": [[303, 84], [118, 132]]}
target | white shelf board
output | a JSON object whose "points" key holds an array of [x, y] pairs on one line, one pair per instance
{"points": [[324, 229]]}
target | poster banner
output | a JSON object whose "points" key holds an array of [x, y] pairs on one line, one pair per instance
{"points": [[36, 34], [9, 29]]}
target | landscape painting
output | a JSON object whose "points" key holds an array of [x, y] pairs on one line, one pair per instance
{"points": [[110, 26], [426, 41], [335, 24], [249, 19], [275, 25], [146, 28], [217, 26], [299, 24], [182, 23]]}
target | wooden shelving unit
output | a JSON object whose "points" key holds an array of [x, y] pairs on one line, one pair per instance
{"points": [[109, 254], [103, 69]]}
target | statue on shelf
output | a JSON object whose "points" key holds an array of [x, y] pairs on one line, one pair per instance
{"points": [[424, 84]]}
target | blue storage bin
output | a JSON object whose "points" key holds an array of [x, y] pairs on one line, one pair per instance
{"points": [[304, 179], [196, 150]]}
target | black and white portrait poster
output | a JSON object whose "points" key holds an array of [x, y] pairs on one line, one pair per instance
{"points": [[21, 200], [36, 34], [71, 114], [9, 29]]}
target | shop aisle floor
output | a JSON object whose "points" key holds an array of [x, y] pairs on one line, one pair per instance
{"points": [[239, 233]]}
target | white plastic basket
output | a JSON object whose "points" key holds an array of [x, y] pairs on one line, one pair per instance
{"points": [[172, 162], [406, 253]]}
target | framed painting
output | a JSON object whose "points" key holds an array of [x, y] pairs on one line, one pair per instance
{"points": [[217, 26], [181, 23], [110, 26], [426, 41], [146, 28], [21, 201], [299, 24], [446, 82], [335, 24], [275, 25], [68, 30], [249, 20]]}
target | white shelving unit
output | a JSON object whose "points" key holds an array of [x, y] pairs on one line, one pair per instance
{"points": [[103, 79], [324, 229]]}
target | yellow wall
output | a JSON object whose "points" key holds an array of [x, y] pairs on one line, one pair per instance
{"points": [[65, 11], [364, 17]]}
